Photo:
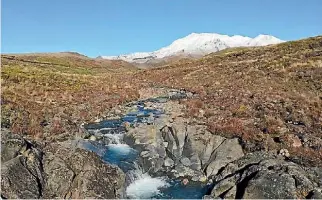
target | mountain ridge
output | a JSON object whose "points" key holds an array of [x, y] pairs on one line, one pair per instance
{"points": [[198, 44]]}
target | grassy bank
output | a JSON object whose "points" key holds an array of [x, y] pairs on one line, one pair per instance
{"points": [[45, 95]]}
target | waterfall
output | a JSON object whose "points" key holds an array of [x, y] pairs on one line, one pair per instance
{"points": [[142, 185], [114, 138]]}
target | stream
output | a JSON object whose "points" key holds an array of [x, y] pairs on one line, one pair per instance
{"points": [[112, 149]]}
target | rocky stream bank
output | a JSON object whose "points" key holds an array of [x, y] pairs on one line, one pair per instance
{"points": [[167, 145]]}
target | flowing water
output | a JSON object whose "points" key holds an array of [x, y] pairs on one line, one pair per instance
{"points": [[140, 185]]}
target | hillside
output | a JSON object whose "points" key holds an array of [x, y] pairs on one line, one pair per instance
{"points": [[270, 97], [45, 95]]}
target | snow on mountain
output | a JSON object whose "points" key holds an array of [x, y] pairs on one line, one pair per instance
{"points": [[263, 40], [198, 44]]}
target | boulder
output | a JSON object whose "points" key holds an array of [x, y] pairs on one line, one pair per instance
{"points": [[262, 175], [17, 182], [79, 174], [59, 170], [21, 167], [185, 161], [270, 185], [190, 145], [213, 142], [225, 153], [11, 145], [168, 162]]}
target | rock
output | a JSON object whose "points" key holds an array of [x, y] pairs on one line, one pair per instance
{"points": [[212, 143], [168, 162], [161, 121], [231, 193], [240, 164], [175, 136], [192, 146], [264, 176], [228, 151], [58, 170], [203, 179], [189, 94], [185, 181], [150, 119], [195, 162], [296, 142], [77, 173], [284, 152], [11, 145], [127, 126], [92, 138], [185, 161], [201, 113], [17, 182], [316, 194], [165, 144], [223, 186], [117, 111], [182, 171], [145, 154], [270, 185], [169, 137], [21, 167]]}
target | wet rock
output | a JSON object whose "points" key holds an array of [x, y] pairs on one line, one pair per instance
{"points": [[92, 138], [185, 181]]}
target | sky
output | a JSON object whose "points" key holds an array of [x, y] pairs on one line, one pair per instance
{"points": [[113, 27]]}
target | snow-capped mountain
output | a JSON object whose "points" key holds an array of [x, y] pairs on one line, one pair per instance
{"points": [[198, 44]]}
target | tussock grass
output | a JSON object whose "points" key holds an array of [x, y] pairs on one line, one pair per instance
{"points": [[45, 95]]}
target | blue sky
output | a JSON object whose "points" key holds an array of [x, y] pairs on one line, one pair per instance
{"points": [[112, 27]]}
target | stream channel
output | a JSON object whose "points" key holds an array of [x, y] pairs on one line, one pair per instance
{"points": [[112, 149]]}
